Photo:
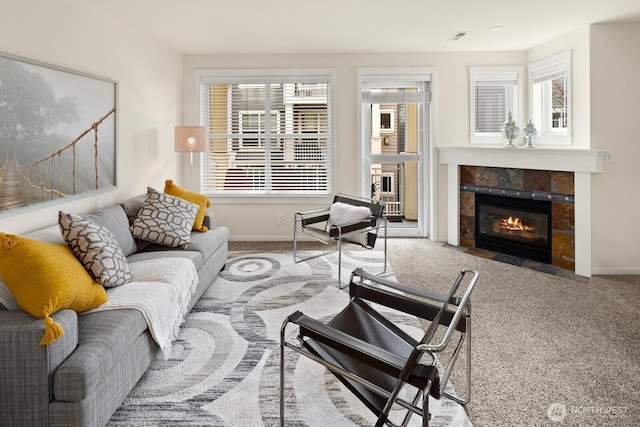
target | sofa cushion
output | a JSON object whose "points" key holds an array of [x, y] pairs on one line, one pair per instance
{"points": [[7, 301], [50, 234], [208, 243], [96, 248], [200, 250], [165, 220], [131, 208], [201, 200], [115, 219], [158, 251], [46, 277]]}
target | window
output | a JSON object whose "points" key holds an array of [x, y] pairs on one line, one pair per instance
{"points": [[270, 131], [549, 98], [386, 180], [396, 167], [253, 123], [494, 92], [387, 120]]}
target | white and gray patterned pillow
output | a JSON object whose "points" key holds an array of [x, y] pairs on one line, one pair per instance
{"points": [[165, 220], [96, 248]]}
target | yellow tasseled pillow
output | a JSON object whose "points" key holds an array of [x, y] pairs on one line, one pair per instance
{"points": [[47, 277], [201, 200]]}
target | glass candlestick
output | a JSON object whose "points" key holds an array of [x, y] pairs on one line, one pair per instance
{"points": [[510, 131], [529, 132]]}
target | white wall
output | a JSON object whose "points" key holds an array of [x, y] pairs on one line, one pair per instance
{"points": [[76, 34], [615, 113], [451, 126]]}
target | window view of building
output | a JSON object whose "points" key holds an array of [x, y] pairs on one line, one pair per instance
{"points": [[270, 137], [393, 132]]}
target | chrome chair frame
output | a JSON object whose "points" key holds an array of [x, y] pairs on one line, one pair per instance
{"points": [[314, 224], [332, 343]]}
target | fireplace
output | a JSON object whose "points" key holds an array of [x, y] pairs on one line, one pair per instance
{"points": [[563, 174], [514, 226]]}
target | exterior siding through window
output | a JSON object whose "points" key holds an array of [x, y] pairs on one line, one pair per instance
{"points": [[289, 153]]}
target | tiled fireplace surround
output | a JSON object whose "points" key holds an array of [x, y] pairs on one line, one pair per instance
{"points": [[550, 170], [555, 186]]}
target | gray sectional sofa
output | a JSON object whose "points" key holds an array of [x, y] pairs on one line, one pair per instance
{"points": [[85, 375]]}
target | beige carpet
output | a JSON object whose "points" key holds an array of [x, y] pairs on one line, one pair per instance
{"points": [[547, 350]]}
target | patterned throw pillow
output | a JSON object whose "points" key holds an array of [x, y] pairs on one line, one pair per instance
{"points": [[165, 220], [96, 248], [172, 189]]}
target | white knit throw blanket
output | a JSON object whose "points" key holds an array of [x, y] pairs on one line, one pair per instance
{"points": [[161, 290]]}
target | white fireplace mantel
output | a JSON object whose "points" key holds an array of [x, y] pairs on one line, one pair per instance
{"points": [[579, 161], [556, 159]]}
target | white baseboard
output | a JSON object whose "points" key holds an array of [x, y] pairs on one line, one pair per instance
{"points": [[265, 238], [616, 271]]}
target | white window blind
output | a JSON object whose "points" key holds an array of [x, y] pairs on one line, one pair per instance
{"points": [[268, 134], [494, 92], [550, 69], [396, 97], [493, 100]]}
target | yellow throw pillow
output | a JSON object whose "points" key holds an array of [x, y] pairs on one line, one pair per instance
{"points": [[201, 200], [45, 278]]}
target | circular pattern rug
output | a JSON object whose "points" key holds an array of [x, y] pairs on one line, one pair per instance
{"points": [[224, 368]]}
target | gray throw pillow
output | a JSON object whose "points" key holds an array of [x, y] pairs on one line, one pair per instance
{"points": [[96, 248], [165, 220]]}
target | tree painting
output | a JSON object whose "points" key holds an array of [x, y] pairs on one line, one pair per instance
{"points": [[57, 134]]}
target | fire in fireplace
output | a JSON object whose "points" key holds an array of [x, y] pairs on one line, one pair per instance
{"points": [[514, 226]]}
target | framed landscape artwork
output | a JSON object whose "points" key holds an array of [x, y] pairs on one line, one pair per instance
{"points": [[57, 134]]}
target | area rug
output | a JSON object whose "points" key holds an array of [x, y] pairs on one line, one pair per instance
{"points": [[224, 366]]}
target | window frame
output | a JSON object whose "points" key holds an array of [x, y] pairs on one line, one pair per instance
{"points": [[275, 76], [495, 73], [552, 67]]}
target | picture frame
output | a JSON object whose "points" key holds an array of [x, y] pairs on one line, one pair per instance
{"points": [[58, 134]]}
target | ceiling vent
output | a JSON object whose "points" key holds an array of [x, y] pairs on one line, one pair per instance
{"points": [[458, 35]]}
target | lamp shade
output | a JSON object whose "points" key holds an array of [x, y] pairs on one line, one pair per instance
{"points": [[191, 138]]}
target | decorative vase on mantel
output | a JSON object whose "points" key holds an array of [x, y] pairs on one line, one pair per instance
{"points": [[510, 131], [529, 132]]}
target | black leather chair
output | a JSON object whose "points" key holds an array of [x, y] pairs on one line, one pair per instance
{"points": [[361, 229], [374, 358]]}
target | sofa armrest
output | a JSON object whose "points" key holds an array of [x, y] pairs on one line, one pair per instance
{"points": [[209, 219], [27, 368]]}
